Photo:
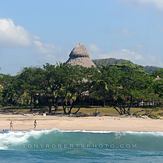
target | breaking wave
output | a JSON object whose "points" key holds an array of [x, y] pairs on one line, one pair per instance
{"points": [[40, 140]]}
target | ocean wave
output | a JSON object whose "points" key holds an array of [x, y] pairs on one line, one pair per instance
{"points": [[12, 140]]}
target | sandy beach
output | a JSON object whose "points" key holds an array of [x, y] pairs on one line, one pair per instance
{"points": [[105, 123]]}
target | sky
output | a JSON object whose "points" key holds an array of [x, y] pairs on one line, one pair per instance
{"points": [[36, 32]]}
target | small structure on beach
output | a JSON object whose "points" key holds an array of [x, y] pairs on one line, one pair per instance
{"points": [[157, 78], [79, 56]]}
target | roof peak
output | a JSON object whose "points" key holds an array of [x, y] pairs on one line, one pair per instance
{"points": [[80, 56], [79, 51]]}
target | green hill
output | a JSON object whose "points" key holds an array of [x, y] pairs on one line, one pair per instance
{"points": [[113, 61], [110, 61]]}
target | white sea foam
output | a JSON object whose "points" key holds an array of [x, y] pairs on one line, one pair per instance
{"points": [[19, 137], [116, 132], [144, 133]]}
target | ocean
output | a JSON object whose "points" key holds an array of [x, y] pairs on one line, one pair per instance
{"points": [[50, 146]]}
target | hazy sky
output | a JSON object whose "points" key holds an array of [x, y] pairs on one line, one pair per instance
{"points": [[34, 32]]}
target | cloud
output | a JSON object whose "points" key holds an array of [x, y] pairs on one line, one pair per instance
{"points": [[127, 54], [50, 52], [13, 35], [156, 3]]}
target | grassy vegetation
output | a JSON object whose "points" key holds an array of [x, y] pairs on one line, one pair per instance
{"points": [[138, 112], [154, 113]]}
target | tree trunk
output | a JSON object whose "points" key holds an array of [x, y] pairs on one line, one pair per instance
{"points": [[56, 108], [103, 103], [129, 111], [118, 110], [31, 102], [50, 109], [65, 109], [77, 111]]}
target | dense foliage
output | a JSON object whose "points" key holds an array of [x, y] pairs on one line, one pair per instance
{"points": [[120, 86]]}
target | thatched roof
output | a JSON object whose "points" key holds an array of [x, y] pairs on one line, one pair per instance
{"points": [[80, 56], [79, 51]]}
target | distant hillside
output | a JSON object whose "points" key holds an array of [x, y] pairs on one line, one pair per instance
{"points": [[151, 69], [113, 61], [110, 61]]}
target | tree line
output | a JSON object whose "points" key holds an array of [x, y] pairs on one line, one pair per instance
{"points": [[119, 86]]}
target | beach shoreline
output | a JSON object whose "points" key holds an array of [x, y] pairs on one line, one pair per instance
{"points": [[104, 123]]}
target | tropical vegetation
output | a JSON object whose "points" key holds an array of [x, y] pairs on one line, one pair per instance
{"points": [[121, 86]]}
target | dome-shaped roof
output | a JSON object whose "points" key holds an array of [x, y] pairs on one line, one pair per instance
{"points": [[79, 51]]}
